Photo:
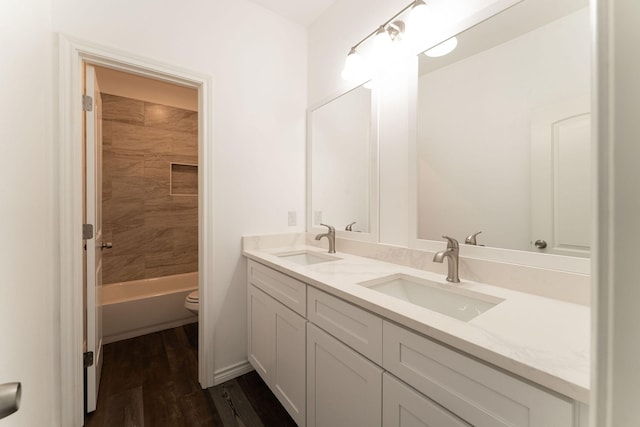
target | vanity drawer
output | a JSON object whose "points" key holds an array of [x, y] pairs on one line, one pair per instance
{"points": [[287, 290], [474, 391], [403, 406], [354, 326]]}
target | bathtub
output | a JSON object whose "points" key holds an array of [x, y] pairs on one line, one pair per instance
{"points": [[139, 307]]}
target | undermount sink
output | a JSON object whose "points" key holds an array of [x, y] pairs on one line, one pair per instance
{"points": [[461, 304], [305, 257]]}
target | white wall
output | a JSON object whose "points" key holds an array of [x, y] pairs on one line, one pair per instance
{"points": [[258, 63], [474, 131], [29, 285]]}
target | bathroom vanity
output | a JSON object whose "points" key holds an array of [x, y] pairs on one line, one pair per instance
{"points": [[347, 340]]}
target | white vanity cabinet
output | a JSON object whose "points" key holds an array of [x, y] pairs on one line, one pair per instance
{"points": [[332, 363], [343, 387], [276, 349]]}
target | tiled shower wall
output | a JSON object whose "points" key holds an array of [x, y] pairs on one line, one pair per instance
{"points": [[153, 233]]}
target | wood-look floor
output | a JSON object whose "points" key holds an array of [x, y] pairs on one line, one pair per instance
{"points": [[152, 381]]}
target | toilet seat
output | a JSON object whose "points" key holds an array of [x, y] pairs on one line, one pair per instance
{"points": [[193, 296], [191, 302]]}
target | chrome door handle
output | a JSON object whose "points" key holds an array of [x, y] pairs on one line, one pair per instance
{"points": [[107, 245], [10, 394]]}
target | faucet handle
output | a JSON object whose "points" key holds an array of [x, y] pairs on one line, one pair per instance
{"points": [[330, 227], [349, 227], [451, 242], [471, 239]]}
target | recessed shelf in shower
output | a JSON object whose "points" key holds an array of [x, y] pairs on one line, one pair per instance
{"points": [[183, 179]]}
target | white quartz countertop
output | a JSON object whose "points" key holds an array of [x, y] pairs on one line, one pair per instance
{"points": [[543, 340]]}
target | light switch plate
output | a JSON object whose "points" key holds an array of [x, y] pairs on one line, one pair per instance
{"points": [[317, 217], [292, 218]]}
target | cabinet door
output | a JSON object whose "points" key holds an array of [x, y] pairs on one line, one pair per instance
{"points": [[261, 333], [343, 387], [404, 407], [290, 361], [276, 350]]}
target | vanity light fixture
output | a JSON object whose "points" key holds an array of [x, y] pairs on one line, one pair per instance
{"points": [[386, 38]]}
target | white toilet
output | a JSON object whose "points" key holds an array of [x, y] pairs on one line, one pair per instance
{"points": [[191, 302]]}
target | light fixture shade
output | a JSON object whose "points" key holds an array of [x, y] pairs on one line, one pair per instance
{"points": [[354, 69], [418, 20], [443, 48], [381, 49]]}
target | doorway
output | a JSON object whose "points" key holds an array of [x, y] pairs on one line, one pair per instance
{"points": [[73, 55], [146, 209]]}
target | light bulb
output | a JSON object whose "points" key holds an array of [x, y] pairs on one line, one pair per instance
{"points": [[381, 48], [417, 23], [354, 69], [443, 48]]}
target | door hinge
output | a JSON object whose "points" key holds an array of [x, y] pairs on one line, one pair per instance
{"points": [[87, 231], [87, 358], [87, 103]]}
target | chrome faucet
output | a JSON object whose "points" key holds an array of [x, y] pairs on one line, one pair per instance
{"points": [[471, 239], [451, 253], [331, 237]]}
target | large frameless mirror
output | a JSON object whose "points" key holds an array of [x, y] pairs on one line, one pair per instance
{"points": [[503, 141], [342, 153]]}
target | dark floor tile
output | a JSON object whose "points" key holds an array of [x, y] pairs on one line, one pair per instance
{"points": [[127, 365], [198, 409], [191, 332], [125, 409], [152, 381], [161, 407], [182, 360], [225, 406], [266, 404]]}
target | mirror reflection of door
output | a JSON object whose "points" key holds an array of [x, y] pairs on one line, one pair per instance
{"points": [[561, 177]]}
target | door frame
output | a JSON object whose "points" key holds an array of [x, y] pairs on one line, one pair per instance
{"points": [[72, 54]]}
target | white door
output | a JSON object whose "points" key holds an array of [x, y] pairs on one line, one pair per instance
{"points": [[93, 138], [561, 178]]}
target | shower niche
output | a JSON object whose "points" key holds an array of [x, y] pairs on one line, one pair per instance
{"points": [[183, 179]]}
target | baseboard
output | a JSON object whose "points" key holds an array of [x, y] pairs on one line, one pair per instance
{"points": [[231, 372], [148, 330]]}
